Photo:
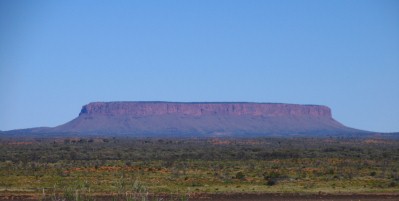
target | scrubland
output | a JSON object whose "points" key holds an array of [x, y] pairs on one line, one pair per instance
{"points": [[187, 169]]}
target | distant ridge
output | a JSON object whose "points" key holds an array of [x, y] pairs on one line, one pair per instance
{"points": [[199, 119]]}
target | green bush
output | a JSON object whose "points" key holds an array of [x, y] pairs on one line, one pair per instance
{"points": [[240, 175]]}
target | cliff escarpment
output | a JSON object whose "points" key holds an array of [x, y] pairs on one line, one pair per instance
{"points": [[138, 109]]}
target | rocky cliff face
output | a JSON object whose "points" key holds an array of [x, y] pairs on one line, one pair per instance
{"points": [[138, 109]]}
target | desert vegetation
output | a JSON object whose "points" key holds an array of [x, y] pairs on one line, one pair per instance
{"points": [[180, 169]]}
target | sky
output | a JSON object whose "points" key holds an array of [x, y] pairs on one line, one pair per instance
{"points": [[56, 56]]}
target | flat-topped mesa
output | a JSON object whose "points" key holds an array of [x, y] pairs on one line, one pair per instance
{"points": [[204, 108]]}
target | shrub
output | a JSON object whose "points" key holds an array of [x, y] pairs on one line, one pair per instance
{"points": [[392, 184], [240, 175], [271, 182], [271, 175]]}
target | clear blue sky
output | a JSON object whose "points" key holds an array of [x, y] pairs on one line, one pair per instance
{"points": [[56, 56]]}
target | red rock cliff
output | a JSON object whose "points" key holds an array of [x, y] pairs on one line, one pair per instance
{"points": [[206, 108]]}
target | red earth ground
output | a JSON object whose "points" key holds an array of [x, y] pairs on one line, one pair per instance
{"points": [[254, 197]]}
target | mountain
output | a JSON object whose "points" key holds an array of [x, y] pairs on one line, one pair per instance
{"points": [[199, 119]]}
